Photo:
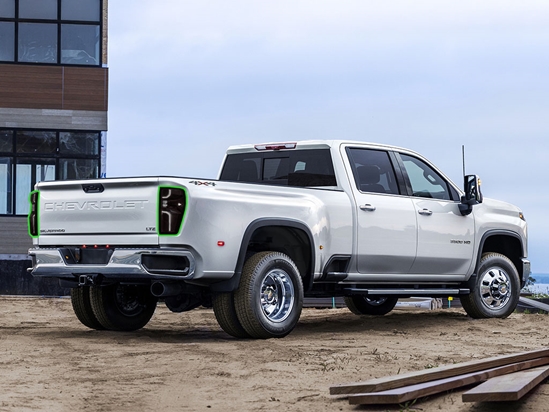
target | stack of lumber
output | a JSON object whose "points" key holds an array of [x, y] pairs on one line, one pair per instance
{"points": [[506, 378]]}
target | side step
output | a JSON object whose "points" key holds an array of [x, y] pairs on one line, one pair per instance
{"points": [[408, 292]]}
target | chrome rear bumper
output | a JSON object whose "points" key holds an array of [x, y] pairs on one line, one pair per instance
{"points": [[125, 263]]}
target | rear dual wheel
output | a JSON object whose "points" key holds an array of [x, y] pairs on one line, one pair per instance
{"points": [[267, 303], [363, 305], [81, 304], [114, 307]]}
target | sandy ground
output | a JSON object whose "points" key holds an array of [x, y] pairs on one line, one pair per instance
{"points": [[49, 361]]}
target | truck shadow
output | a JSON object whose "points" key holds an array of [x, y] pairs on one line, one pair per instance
{"points": [[316, 323]]}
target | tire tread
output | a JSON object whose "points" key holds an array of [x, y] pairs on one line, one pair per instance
{"points": [[81, 304], [225, 313]]}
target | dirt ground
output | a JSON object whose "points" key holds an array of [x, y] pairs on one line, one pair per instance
{"points": [[50, 362]]}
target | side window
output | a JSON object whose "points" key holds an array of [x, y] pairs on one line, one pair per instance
{"points": [[373, 171], [424, 180]]}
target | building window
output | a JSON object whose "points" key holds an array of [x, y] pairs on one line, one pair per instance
{"points": [[38, 9], [7, 39], [79, 44], [51, 31], [37, 43], [31, 156], [7, 8]]}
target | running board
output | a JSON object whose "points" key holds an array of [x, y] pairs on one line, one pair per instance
{"points": [[408, 292]]}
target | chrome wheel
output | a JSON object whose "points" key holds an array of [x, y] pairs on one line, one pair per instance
{"points": [[495, 288], [376, 301], [277, 295], [375, 306], [269, 298]]}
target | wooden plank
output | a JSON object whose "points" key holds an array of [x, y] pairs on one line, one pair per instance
{"points": [[510, 387], [534, 304], [412, 378], [408, 393]]}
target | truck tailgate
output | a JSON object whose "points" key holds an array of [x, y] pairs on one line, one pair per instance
{"points": [[121, 210]]}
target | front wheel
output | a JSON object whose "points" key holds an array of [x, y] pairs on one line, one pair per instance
{"points": [[122, 307], [269, 299], [363, 305], [497, 288]]}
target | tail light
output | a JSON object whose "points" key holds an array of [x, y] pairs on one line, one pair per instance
{"points": [[172, 203], [33, 214]]}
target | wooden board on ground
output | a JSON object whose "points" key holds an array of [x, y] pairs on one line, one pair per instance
{"points": [[534, 304], [412, 378], [510, 387], [411, 392]]}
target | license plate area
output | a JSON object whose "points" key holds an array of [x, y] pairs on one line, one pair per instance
{"points": [[87, 255]]}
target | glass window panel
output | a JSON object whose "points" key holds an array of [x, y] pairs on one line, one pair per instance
{"points": [[7, 8], [37, 42], [78, 169], [7, 41], [80, 44], [88, 10], [38, 9], [5, 185], [23, 184], [6, 140], [36, 142], [424, 180], [28, 173], [373, 171], [79, 143]]}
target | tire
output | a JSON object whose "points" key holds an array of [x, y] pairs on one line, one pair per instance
{"points": [[225, 313], [122, 307], [269, 299], [362, 305], [81, 304], [497, 288]]}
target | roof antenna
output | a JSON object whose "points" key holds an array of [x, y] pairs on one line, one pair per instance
{"points": [[463, 157]]}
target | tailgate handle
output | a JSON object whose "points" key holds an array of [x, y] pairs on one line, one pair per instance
{"points": [[93, 188]]}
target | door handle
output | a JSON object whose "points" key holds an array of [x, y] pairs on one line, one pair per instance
{"points": [[425, 212], [367, 207]]}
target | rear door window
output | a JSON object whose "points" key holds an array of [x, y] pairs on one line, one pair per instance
{"points": [[373, 171]]}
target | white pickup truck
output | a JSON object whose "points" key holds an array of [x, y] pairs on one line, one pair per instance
{"points": [[368, 222]]}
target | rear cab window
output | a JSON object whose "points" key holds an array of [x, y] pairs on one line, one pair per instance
{"points": [[299, 168]]}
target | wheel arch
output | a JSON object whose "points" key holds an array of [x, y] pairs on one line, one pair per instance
{"points": [[288, 236], [505, 242]]}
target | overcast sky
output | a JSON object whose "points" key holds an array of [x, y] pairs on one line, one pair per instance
{"points": [[189, 78]]}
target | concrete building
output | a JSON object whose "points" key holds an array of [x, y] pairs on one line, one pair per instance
{"points": [[53, 109]]}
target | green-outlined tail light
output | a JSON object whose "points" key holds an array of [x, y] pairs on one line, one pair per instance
{"points": [[33, 219], [172, 203]]}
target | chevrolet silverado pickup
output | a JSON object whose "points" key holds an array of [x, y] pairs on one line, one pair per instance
{"points": [[368, 222]]}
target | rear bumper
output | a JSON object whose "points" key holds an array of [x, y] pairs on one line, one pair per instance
{"points": [[143, 263]]}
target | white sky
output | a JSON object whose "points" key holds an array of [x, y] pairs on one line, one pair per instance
{"points": [[189, 78]]}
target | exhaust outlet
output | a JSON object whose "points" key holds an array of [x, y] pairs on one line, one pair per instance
{"points": [[162, 290]]}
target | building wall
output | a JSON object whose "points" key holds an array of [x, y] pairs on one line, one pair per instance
{"points": [[14, 237], [37, 96], [58, 97]]}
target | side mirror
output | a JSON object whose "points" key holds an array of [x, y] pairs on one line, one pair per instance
{"points": [[473, 195]]}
